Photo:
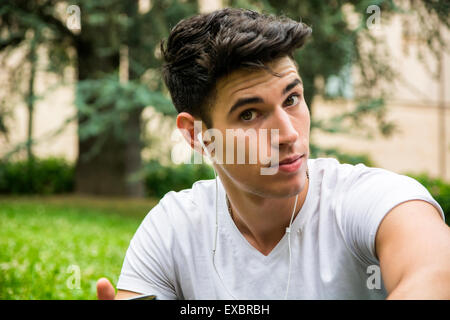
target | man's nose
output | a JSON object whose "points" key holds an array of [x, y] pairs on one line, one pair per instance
{"points": [[283, 122]]}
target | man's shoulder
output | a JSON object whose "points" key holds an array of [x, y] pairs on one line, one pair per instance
{"points": [[184, 207], [359, 186], [333, 169], [355, 178], [201, 191], [330, 166]]}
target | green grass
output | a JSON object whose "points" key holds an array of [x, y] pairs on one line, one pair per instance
{"points": [[43, 240]]}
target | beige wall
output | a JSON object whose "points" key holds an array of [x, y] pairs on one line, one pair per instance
{"points": [[413, 148], [49, 117], [51, 111]]}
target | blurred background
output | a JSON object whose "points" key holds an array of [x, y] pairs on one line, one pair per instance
{"points": [[88, 143]]}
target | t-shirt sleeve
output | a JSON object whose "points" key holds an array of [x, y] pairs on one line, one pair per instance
{"points": [[148, 264], [368, 196]]}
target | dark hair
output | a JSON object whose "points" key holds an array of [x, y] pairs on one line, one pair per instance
{"points": [[206, 47]]}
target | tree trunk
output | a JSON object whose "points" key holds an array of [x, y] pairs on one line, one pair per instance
{"points": [[32, 58], [106, 171]]}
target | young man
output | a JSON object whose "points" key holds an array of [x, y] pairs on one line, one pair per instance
{"points": [[353, 232]]}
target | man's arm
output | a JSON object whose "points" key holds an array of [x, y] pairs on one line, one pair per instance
{"points": [[413, 247]]}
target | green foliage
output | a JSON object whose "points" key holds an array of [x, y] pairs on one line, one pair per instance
{"points": [[162, 179], [39, 176], [438, 188], [53, 176], [106, 105]]}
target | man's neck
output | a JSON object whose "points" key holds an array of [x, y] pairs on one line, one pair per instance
{"points": [[262, 221]]}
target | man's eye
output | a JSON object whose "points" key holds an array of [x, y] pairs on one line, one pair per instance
{"points": [[292, 100], [248, 115]]}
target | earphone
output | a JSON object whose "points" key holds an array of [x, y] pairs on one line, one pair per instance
{"points": [[199, 138], [288, 229]]}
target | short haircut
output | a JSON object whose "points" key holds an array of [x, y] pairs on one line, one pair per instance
{"points": [[203, 48]]}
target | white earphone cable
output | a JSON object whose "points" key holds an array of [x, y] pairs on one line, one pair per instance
{"points": [[215, 242], [288, 231]]}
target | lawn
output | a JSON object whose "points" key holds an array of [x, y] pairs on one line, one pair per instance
{"points": [[57, 248]]}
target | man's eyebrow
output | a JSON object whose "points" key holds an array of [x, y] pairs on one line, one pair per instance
{"points": [[292, 85], [244, 101], [252, 100]]}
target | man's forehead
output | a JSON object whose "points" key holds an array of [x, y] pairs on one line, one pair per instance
{"points": [[243, 79]]}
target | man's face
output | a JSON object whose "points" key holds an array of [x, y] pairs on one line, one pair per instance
{"points": [[254, 100]]}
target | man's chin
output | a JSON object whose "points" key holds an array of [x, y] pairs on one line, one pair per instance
{"points": [[285, 189]]}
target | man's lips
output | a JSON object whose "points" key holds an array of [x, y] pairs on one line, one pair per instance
{"points": [[290, 159], [291, 163]]}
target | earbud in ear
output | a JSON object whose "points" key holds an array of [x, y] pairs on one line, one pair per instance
{"points": [[199, 138]]}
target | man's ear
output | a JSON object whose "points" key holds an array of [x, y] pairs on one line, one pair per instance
{"points": [[189, 128]]}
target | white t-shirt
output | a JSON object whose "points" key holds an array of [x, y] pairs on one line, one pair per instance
{"points": [[332, 241]]}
